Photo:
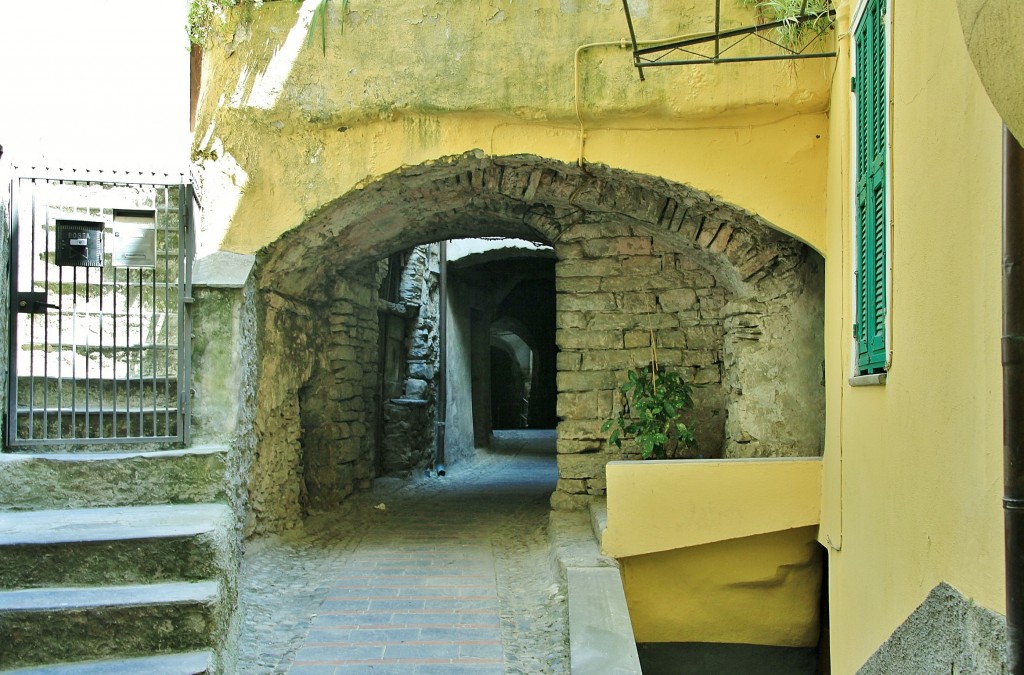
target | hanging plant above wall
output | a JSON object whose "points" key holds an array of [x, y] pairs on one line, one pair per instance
{"points": [[793, 33]]}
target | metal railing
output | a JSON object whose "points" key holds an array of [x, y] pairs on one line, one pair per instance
{"points": [[99, 324]]}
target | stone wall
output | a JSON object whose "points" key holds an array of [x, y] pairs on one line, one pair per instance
{"points": [[617, 288], [408, 435], [289, 353], [337, 404]]}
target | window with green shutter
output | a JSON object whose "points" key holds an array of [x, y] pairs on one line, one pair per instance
{"points": [[871, 96]]}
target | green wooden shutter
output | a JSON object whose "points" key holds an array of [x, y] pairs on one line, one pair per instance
{"points": [[871, 145]]}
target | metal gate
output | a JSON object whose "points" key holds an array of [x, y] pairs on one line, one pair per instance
{"points": [[100, 285]]}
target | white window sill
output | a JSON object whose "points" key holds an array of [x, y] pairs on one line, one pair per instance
{"points": [[867, 380]]}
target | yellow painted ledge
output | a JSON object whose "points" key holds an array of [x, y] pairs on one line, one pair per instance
{"points": [[657, 506]]}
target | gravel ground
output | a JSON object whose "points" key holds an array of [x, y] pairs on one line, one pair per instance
{"points": [[503, 494]]}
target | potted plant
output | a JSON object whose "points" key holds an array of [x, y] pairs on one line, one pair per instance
{"points": [[654, 400]]}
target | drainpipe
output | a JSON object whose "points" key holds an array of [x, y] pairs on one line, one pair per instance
{"points": [[442, 360], [1013, 395]]}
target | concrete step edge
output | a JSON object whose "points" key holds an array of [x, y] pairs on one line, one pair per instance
{"points": [[188, 663], [106, 455], [601, 636], [97, 597], [117, 523]]}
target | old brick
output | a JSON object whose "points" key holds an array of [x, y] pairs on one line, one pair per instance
{"points": [[568, 360]]}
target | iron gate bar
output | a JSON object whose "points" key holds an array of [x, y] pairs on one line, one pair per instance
{"points": [[717, 35], [67, 421]]}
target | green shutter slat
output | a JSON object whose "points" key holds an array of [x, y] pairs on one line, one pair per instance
{"points": [[871, 198]]}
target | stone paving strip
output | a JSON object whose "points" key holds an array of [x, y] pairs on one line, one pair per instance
{"points": [[452, 575]]}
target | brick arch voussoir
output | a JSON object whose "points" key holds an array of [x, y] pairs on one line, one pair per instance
{"points": [[524, 196]]}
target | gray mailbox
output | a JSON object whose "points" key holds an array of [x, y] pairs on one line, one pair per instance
{"points": [[133, 243]]}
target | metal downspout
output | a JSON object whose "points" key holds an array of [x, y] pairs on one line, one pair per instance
{"points": [[1013, 395], [442, 361]]}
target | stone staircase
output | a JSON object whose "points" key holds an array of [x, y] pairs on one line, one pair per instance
{"points": [[116, 562]]}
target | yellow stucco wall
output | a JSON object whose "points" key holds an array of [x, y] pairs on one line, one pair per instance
{"points": [[762, 589], [282, 129], [912, 468], [718, 550], [704, 501]]}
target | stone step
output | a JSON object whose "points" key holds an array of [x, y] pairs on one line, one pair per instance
{"points": [[100, 479], [123, 545], [53, 625], [191, 663]]}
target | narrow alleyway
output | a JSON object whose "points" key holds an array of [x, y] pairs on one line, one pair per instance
{"points": [[435, 575]]}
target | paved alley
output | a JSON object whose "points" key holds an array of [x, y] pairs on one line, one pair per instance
{"points": [[436, 575]]}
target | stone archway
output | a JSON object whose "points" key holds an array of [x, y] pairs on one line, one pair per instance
{"points": [[733, 303]]}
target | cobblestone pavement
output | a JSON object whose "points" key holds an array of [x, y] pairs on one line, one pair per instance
{"points": [[435, 575]]}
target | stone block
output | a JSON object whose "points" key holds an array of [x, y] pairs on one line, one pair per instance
{"points": [[573, 405], [583, 339], [581, 429], [588, 268], [642, 265], [585, 380], [704, 337], [672, 338], [563, 501], [637, 338], [415, 388], [582, 302], [577, 284], [574, 447], [568, 360], [421, 371], [638, 302], [615, 246], [565, 319], [677, 299], [618, 360], [573, 487], [587, 465], [637, 282], [709, 375]]}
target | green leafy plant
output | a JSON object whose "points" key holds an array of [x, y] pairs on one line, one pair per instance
{"points": [[792, 33], [654, 401]]}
